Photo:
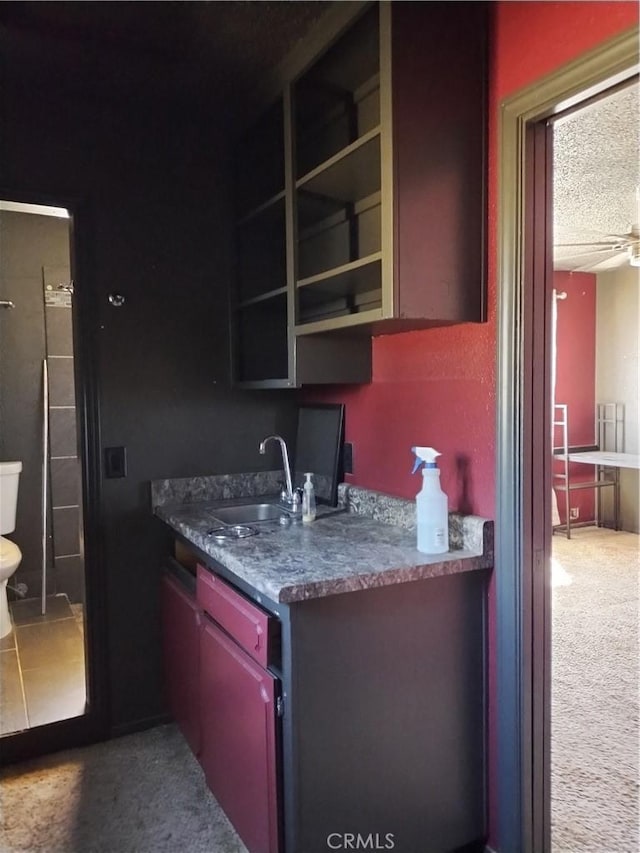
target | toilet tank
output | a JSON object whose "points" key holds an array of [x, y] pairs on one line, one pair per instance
{"points": [[9, 476]]}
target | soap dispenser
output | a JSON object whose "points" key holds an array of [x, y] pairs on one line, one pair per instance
{"points": [[308, 500]]}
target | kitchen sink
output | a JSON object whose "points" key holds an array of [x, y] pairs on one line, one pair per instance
{"points": [[249, 513]]}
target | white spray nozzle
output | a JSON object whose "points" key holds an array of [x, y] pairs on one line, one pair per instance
{"points": [[425, 456]]}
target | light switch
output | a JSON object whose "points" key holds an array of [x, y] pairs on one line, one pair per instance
{"points": [[115, 462]]}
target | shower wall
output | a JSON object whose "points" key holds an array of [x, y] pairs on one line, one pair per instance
{"points": [[64, 465], [29, 245]]}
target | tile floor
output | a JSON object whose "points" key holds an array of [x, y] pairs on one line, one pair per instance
{"points": [[42, 668]]}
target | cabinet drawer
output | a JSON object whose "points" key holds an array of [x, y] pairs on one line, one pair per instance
{"points": [[250, 627]]}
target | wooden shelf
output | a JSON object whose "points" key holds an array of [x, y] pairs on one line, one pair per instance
{"points": [[317, 213], [347, 291], [361, 318], [257, 384], [333, 119], [314, 209], [348, 278], [349, 175]]}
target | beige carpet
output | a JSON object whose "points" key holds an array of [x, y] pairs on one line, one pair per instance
{"points": [[595, 683], [144, 793]]}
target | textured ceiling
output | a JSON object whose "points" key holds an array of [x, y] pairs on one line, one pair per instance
{"points": [[596, 173], [212, 50]]}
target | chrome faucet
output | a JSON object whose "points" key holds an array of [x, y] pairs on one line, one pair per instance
{"points": [[289, 496]]}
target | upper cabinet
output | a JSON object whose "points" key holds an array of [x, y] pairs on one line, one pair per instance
{"points": [[360, 193]]}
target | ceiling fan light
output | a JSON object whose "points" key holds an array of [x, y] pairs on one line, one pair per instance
{"points": [[634, 255]]}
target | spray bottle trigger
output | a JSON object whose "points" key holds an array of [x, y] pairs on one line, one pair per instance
{"points": [[417, 464]]}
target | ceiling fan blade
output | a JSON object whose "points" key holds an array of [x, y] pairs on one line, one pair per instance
{"points": [[567, 256], [603, 265], [611, 243]]}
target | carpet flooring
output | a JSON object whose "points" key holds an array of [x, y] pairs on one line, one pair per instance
{"points": [[144, 793], [595, 681]]}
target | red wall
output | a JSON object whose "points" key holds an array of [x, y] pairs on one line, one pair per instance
{"points": [[576, 375], [576, 352], [438, 386]]}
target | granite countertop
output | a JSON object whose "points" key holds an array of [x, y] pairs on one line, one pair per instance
{"points": [[368, 541]]}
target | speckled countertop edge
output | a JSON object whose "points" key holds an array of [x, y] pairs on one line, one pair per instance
{"points": [[466, 532], [214, 487], [368, 542]]}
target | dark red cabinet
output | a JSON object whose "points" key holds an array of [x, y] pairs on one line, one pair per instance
{"points": [[237, 702], [181, 618], [217, 645], [249, 626], [383, 728]]}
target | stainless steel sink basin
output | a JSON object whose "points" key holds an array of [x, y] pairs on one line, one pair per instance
{"points": [[249, 513]]}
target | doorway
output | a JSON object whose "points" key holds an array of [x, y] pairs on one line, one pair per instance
{"points": [[595, 547], [42, 647], [524, 440]]}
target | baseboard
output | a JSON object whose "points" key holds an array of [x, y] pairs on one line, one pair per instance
{"points": [[140, 725]]}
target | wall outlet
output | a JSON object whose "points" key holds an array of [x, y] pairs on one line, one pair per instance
{"points": [[574, 513]]}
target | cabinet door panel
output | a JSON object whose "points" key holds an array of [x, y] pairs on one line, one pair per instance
{"points": [[238, 738], [181, 654], [247, 624]]}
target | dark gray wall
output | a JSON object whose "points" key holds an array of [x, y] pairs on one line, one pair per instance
{"points": [[65, 474], [154, 176]]}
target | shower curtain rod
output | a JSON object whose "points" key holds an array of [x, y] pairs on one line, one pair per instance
{"points": [[45, 471]]}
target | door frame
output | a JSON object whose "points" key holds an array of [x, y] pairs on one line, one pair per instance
{"points": [[93, 725], [523, 539]]}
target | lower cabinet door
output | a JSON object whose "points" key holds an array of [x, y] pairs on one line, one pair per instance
{"points": [[181, 618], [237, 704]]}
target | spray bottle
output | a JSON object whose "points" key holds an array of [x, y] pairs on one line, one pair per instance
{"points": [[432, 506]]}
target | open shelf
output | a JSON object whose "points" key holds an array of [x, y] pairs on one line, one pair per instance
{"points": [[339, 210], [260, 161], [350, 289], [337, 323], [347, 234], [351, 174], [348, 278], [337, 99], [261, 259], [262, 345]]}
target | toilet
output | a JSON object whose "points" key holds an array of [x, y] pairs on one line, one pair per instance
{"points": [[10, 554]]}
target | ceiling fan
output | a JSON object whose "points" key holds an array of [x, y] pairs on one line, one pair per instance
{"points": [[604, 251], [595, 251]]}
